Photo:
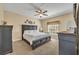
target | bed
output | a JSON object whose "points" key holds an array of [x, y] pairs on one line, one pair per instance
{"points": [[33, 37]]}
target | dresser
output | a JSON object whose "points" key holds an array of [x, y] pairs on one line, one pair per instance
{"points": [[67, 44], [5, 39]]}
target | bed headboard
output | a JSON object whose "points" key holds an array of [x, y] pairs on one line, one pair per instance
{"points": [[28, 27]]}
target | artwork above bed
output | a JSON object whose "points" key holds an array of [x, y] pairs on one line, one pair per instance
{"points": [[29, 21]]}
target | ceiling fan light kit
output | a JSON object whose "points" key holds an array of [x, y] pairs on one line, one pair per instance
{"points": [[39, 11]]}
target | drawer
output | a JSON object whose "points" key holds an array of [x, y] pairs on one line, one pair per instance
{"points": [[67, 47], [67, 38]]}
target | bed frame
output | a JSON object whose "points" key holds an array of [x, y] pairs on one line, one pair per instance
{"points": [[36, 43]]}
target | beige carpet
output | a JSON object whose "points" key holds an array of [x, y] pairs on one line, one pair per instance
{"points": [[49, 48]]}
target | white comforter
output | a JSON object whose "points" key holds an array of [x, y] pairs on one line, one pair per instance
{"points": [[31, 36]]}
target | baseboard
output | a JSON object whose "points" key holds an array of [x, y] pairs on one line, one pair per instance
{"points": [[16, 40]]}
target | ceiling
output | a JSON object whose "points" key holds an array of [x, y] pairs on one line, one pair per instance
{"points": [[26, 9]]}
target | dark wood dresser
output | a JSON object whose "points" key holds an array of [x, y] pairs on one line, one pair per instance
{"points": [[5, 39], [67, 44]]}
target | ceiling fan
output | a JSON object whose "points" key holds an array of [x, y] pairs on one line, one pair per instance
{"points": [[39, 11]]}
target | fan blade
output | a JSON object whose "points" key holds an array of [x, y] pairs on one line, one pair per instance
{"points": [[37, 11], [45, 14], [45, 11]]}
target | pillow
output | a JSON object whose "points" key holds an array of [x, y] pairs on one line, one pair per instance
{"points": [[34, 30], [30, 31], [27, 31]]}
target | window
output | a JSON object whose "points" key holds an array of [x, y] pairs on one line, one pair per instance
{"points": [[53, 28]]}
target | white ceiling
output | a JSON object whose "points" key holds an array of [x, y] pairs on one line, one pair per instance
{"points": [[26, 9]]}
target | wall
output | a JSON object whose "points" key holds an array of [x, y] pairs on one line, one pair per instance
{"points": [[1, 14], [17, 20], [64, 22]]}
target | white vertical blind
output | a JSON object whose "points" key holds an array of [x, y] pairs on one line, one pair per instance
{"points": [[53, 28]]}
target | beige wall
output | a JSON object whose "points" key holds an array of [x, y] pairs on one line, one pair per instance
{"points": [[64, 19], [1, 14], [17, 20]]}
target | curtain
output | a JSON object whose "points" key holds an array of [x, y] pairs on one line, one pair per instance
{"points": [[76, 17]]}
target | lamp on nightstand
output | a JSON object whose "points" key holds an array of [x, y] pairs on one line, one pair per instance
{"points": [[40, 29], [4, 22]]}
